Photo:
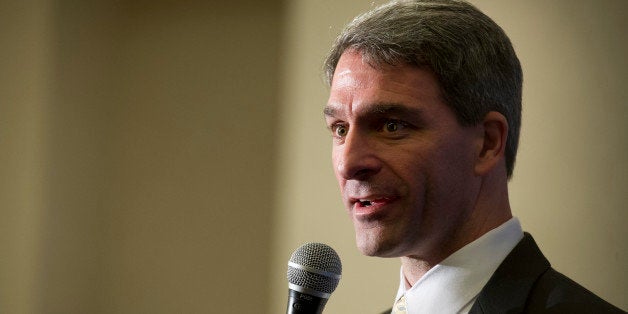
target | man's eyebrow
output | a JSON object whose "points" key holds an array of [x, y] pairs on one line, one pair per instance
{"points": [[393, 109], [330, 111], [381, 109]]}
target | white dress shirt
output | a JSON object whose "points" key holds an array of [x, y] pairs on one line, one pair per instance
{"points": [[453, 285]]}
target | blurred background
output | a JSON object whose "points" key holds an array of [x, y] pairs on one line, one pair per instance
{"points": [[168, 156]]}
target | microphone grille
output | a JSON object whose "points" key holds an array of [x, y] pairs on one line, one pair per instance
{"points": [[315, 266]]}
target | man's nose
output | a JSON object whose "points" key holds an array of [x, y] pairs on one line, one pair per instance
{"points": [[357, 158]]}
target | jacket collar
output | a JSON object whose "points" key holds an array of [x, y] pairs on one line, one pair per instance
{"points": [[510, 285]]}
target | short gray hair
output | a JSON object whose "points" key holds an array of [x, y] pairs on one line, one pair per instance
{"points": [[471, 56]]}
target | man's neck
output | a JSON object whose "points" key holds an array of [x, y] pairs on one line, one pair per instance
{"points": [[491, 209], [414, 267]]}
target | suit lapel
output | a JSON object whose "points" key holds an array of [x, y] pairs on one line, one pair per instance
{"points": [[508, 288]]}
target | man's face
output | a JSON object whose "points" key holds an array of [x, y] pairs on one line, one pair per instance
{"points": [[403, 163]]}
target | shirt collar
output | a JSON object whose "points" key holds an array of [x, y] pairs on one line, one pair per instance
{"points": [[454, 283]]}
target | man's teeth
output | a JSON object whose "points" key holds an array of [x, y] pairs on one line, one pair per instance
{"points": [[365, 203]]}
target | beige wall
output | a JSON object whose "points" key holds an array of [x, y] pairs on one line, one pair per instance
{"points": [[138, 140], [168, 156], [24, 91]]}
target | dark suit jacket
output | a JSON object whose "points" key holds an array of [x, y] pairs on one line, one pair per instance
{"points": [[526, 283]]}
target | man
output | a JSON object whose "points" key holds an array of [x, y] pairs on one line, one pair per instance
{"points": [[425, 111]]}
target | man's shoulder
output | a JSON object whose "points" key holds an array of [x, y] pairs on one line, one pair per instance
{"points": [[525, 282], [557, 293]]}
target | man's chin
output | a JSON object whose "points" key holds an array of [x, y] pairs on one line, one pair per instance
{"points": [[376, 247]]}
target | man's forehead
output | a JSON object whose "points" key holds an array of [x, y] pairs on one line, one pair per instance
{"points": [[351, 76], [355, 81]]}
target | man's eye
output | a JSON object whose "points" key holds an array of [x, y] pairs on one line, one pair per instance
{"points": [[393, 126], [340, 130]]}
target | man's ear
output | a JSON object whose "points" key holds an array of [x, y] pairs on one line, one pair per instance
{"points": [[495, 127]]}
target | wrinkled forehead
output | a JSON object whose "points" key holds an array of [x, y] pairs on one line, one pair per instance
{"points": [[359, 88], [354, 72]]}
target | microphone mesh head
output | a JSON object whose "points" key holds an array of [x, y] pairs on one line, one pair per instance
{"points": [[324, 264]]}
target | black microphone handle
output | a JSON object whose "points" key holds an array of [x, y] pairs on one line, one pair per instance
{"points": [[301, 303]]}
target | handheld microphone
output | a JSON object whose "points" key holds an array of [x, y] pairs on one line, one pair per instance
{"points": [[314, 270]]}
